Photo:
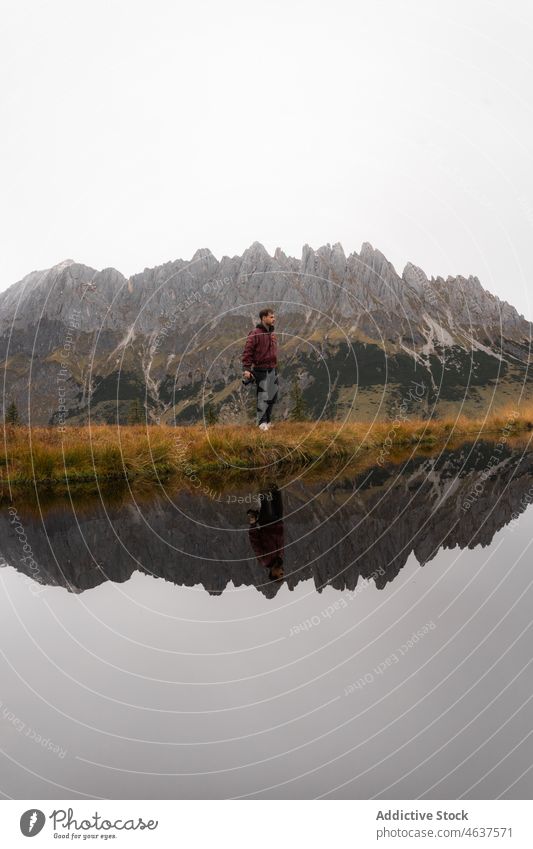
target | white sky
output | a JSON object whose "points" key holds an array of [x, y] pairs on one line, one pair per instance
{"points": [[137, 132]]}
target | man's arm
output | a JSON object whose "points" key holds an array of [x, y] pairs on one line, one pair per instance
{"points": [[249, 351]]}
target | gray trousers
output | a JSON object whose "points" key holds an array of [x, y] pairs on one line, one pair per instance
{"points": [[267, 392]]}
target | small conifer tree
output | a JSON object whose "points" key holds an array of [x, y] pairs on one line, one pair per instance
{"points": [[12, 414]]}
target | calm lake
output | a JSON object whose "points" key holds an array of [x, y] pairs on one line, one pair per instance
{"points": [[368, 635]]}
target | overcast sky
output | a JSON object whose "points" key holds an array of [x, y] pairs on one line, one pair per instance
{"points": [[136, 132]]}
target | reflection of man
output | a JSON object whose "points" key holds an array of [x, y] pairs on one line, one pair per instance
{"points": [[266, 533], [259, 360]]}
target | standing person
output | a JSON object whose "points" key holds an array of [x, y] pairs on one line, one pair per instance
{"points": [[259, 361]]}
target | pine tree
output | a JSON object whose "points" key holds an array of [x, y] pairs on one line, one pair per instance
{"points": [[135, 412], [211, 415], [298, 412], [12, 414]]}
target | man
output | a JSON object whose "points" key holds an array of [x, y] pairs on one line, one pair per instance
{"points": [[260, 360]]}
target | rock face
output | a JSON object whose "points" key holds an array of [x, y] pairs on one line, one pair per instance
{"points": [[334, 535], [350, 327]]}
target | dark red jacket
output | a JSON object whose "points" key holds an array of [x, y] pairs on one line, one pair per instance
{"points": [[268, 542], [261, 348]]}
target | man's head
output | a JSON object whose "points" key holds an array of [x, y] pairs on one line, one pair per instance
{"points": [[267, 317], [276, 571]]}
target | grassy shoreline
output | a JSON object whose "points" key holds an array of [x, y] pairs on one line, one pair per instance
{"points": [[105, 453]]}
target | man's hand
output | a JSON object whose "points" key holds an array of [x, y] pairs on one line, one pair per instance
{"points": [[247, 375]]}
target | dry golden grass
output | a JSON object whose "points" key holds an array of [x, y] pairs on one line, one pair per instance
{"points": [[106, 452]]}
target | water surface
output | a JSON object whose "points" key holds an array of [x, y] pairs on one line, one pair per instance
{"points": [[369, 636]]}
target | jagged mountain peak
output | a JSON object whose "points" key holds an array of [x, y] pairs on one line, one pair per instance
{"points": [[414, 276], [376, 261], [328, 250], [110, 271], [63, 264], [367, 249], [256, 249], [203, 253]]}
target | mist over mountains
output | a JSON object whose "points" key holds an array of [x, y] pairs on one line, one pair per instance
{"points": [[353, 333]]}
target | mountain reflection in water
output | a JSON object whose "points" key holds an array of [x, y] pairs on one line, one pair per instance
{"points": [[332, 533]]}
